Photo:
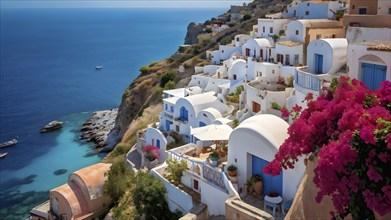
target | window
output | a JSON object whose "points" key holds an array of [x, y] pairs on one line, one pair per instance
{"points": [[318, 36], [234, 77], [247, 52], [256, 107], [271, 30], [307, 12], [353, 6], [222, 51], [297, 32], [272, 71], [263, 29], [308, 4], [177, 128], [172, 108], [165, 107], [205, 115], [296, 59], [287, 59], [195, 184], [362, 11], [294, 13], [237, 39], [333, 36]]}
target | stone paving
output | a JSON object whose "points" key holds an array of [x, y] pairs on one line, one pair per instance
{"points": [[258, 201]]}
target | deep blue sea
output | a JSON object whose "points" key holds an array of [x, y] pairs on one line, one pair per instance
{"points": [[47, 72]]}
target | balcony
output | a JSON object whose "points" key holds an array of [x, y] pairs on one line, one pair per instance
{"points": [[308, 80]]}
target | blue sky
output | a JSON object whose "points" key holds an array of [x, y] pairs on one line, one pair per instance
{"points": [[119, 3]]}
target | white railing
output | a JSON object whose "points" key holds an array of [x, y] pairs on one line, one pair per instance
{"points": [[205, 172], [308, 80]]}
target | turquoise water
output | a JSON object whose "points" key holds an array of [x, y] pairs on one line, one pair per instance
{"points": [[47, 72]]}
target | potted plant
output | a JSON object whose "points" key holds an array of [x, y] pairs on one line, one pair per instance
{"points": [[232, 170], [214, 157], [151, 155], [257, 184]]}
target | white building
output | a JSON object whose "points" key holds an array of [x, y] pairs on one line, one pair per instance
{"points": [[289, 53], [325, 58], [253, 144], [270, 27], [155, 137], [313, 10], [369, 57], [238, 70], [181, 113], [258, 48], [297, 30]]}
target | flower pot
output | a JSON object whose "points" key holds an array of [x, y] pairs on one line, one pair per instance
{"points": [[232, 173], [150, 164], [257, 187], [233, 179]]}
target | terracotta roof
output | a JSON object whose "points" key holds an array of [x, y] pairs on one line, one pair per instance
{"points": [[289, 43], [94, 178]]}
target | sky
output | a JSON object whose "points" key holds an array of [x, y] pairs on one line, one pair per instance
{"points": [[119, 3]]}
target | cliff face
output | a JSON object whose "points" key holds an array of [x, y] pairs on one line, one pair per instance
{"points": [[193, 30], [133, 100]]}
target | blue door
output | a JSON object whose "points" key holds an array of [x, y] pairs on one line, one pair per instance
{"points": [[183, 114], [270, 183], [168, 123], [202, 124], [158, 143], [318, 63], [373, 75]]}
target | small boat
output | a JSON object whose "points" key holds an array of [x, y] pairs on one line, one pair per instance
{"points": [[52, 126], [99, 67], [3, 154], [9, 143]]}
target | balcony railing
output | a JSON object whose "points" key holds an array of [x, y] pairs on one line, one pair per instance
{"points": [[308, 80]]}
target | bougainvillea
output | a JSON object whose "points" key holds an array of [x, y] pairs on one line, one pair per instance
{"points": [[151, 152], [348, 127]]}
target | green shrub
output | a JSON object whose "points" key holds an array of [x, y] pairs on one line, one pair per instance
{"points": [[118, 181], [247, 17], [235, 123], [169, 85], [167, 76], [175, 169], [144, 70], [275, 106], [232, 24], [153, 63], [120, 149], [291, 79], [149, 197], [208, 30]]}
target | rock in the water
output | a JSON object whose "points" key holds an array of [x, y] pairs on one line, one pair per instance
{"points": [[96, 128], [60, 172]]}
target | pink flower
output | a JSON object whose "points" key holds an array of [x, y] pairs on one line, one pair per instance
{"points": [[309, 97], [296, 108], [366, 134], [284, 112], [373, 174]]}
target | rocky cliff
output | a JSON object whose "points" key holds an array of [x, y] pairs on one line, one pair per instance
{"points": [[193, 30]]}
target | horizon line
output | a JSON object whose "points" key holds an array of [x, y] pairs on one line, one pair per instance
{"points": [[121, 4]]}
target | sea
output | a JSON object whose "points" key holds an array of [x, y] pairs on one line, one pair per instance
{"points": [[47, 72]]}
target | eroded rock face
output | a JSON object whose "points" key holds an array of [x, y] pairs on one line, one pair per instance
{"points": [[97, 128], [193, 30]]}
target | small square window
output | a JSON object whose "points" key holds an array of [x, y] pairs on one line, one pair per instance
{"points": [[271, 30], [307, 12], [308, 4]]}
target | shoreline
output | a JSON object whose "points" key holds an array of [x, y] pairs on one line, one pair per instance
{"points": [[96, 128]]}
